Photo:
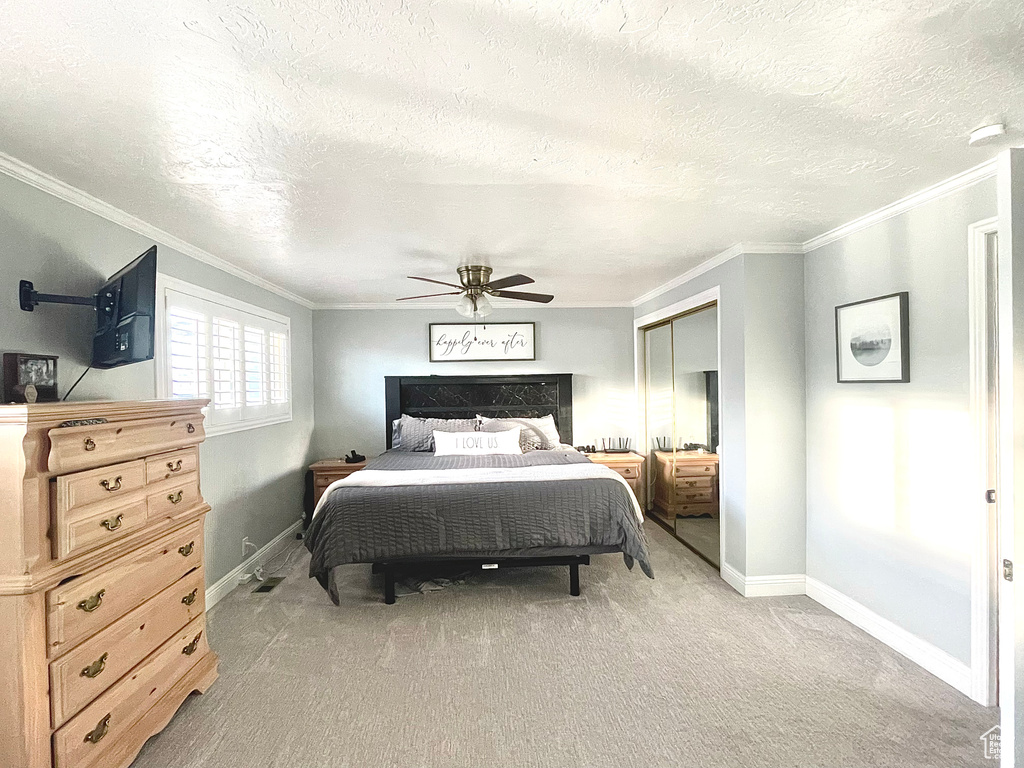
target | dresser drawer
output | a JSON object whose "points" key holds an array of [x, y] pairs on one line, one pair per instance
{"points": [[97, 525], [75, 448], [80, 675], [84, 606], [695, 470], [683, 484], [85, 740], [106, 484], [169, 465], [176, 499]]}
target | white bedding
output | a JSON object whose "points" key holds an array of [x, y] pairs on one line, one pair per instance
{"points": [[377, 478]]}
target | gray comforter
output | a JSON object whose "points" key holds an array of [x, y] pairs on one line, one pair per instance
{"points": [[540, 518]]}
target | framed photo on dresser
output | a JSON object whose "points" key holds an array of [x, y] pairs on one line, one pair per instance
{"points": [[873, 340]]}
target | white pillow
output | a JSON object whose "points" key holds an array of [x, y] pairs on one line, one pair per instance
{"points": [[537, 433], [476, 443]]}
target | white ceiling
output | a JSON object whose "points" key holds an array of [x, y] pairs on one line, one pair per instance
{"points": [[601, 146]]}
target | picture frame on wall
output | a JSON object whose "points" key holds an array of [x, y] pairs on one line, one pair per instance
{"points": [[480, 342], [873, 340]]}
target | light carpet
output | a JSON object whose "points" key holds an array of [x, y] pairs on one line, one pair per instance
{"points": [[509, 670], [703, 534]]}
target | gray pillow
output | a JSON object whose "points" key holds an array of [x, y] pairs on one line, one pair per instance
{"points": [[536, 434], [396, 434], [418, 434]]}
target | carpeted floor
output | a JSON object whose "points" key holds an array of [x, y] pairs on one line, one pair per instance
{"points": [[509, 670]]}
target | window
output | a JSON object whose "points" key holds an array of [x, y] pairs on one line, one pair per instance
{"points": [[235, 354]]}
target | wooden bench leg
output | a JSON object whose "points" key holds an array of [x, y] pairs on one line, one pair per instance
{"points": [[574, 579]]}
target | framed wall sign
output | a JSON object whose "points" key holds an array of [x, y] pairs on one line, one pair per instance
{"points": [[873, 340], [452, 342]]}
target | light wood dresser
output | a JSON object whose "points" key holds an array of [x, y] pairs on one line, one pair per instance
{"points": [[686, 483], [102, 605]]}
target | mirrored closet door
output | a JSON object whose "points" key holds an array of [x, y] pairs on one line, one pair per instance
{"points": [[681, 406]]}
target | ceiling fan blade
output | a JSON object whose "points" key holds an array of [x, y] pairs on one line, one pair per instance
{"points": [[429, 296], [510, 282], [439, 282], [541, 298]]}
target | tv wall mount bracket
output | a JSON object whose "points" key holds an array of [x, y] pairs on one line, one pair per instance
{"points": [[29, 298]]}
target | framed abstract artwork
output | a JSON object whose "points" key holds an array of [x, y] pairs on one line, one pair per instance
{"points": [[873, 340]]}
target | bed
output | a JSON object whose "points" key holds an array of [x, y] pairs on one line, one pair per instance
{"points": [[414, 511]]}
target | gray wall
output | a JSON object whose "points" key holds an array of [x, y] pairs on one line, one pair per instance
{"points": [[252, 479], [356, 349], [761, 413], [887, 477]]}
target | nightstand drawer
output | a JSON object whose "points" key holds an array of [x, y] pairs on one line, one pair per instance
{"points": [[699, 496], [691, 510], [696, 470], [630, 473], [684, 484]]}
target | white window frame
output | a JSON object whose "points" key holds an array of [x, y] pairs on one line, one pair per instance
{"points": [[165, 284]]}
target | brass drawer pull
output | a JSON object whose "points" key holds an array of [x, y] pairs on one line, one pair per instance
{"points": [[94, 736], [174, 466], [113, 523], [190, 429], [90, 444], [94, 669], [187, 549], [111, 486], [92, 602], [175, 498], [691, 483], [189, 649], [190, 597]]}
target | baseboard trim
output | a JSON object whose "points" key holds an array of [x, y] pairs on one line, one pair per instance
{"points": [[217, 592], [764, 586], [932, 659]]}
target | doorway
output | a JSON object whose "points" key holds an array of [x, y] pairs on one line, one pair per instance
{"points": [[681, 426]]}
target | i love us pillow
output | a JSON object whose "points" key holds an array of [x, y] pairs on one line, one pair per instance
{"points": [[476, 443]]}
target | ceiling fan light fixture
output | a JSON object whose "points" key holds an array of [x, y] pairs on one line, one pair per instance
{"points": [[483, 305], [464, 306]]}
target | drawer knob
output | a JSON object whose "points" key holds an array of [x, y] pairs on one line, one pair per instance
{"points": [[174, 466], [97, 733], [94, 669], [190, 597], [190, 429], [189, 649], [111, 486], [175, 498], [113, 523], [90, 444], [187, 549], [92, 602]]}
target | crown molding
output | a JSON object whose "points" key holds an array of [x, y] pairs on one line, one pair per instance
{"points": [[497, 304], [716, 261], [32, 176], [947, 187]]}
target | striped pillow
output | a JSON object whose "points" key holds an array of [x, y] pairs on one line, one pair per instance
{"points": [[418, 434]]}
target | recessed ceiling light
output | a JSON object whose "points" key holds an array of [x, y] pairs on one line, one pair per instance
{"points": [[984, 134]]}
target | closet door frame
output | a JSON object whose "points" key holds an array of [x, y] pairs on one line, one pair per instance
{"points": [[711, 296]]}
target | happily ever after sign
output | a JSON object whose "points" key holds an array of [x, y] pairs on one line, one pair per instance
{"points": [[481, 341]]}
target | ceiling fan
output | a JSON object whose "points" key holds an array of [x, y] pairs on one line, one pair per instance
{"points": [[477, 286]]}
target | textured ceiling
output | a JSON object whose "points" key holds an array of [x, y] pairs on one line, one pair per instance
{"points": [[603, 147]]}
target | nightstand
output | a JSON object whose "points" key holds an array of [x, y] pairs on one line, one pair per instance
{"points": [[686, 483], [327, 471], [629, 465]]}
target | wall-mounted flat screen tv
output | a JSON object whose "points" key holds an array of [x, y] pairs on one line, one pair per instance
{"points": [[125, 315]]}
